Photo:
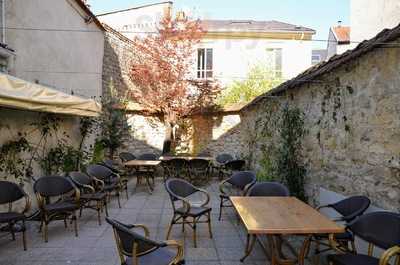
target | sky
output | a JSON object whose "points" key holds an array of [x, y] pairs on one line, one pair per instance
{"points": [[319, 15]]}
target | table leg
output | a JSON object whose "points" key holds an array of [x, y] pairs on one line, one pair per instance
{"points": [[304, 249], [251, 240]]}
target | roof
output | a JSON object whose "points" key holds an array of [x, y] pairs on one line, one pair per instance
{"points": [[89, 13], [135, 8], [342, 34], [252, 26], [383, 39]]}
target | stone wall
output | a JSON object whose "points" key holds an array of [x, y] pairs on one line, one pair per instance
{"points": [[353, 123]]}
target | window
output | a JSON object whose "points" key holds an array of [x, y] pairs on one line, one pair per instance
{"points": [[204, 63], [316, 58], [274, 56]]}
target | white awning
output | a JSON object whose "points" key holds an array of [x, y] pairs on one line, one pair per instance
{"points": [[20, 94]]}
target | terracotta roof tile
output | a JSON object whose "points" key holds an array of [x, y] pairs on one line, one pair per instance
{"points": [[342, 34]]}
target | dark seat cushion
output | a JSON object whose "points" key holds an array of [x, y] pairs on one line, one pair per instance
{"points": [[94, 196], [194, 211], [161, 256], [350, 259], [11, 216], [63, 206]]}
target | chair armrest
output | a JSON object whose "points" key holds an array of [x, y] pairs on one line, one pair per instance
{"points": [[99, 182], [247, 188], [207, 196], [88, 187], [186, 203], [77, 195], [180, 251], [145, 229], [27, 203], [221, 187], [388, 254], [323, 206]]}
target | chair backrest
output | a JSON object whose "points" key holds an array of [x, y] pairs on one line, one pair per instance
{"points": [[179, 188], [198, 163], [80, 178], [151, 157], [99, 172], [126, 238], [126, 156], [266, 189], [351, 207], [51, 186], [223, 158], [242, 179], [108, 163], [235, 165], [177, 163], [379, 228], [10, 192]]}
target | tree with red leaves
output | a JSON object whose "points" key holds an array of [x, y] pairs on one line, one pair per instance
{"points": [[162, 74]]}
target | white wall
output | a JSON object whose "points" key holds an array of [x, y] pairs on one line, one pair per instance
{"points": [[61, 59], [232, 59], [131, 22], [369, 17]]}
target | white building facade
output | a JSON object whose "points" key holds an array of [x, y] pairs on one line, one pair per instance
{"points": [[59, 44], [231, 49]]}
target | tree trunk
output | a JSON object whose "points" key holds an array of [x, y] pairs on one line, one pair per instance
{"points": [[168, 137]]}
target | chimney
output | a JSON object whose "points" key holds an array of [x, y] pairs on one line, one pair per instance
{"points": [[339, 23]]}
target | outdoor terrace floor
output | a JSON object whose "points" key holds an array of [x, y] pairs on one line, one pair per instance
{"points": [[95, 244]]}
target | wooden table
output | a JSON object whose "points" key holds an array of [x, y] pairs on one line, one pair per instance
{"points": [[148, 172], [277, 216]]}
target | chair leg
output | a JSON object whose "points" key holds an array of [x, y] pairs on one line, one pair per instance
{"points": [[98, 208], [353, 247], [24, 234], [105, 206], [221, 205], [46, 232], [75, 223], [209, 225], [169, 229], [65, 222], [126, 190], [11, 225], [194, 233], [119, 201]]}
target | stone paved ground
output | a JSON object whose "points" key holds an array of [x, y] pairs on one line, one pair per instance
{"points": [[95, 244]]}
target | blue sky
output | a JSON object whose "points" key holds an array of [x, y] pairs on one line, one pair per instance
{"points": [[316, 14]]}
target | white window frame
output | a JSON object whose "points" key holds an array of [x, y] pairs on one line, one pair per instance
{"points": [[201, 67], [274, 63]]}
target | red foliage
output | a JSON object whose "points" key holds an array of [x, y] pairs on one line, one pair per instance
{"points": [[162, 68]]}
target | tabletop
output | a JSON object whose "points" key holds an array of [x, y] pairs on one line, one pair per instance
{"points": [[166, 158], [138, 163], [282, 215]]}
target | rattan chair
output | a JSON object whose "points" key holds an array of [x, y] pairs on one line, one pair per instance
{"points": [[148, 156], [239, 183], [137, 248], [10, 193], [199, 171], [231, 167], [380, 229], [89, 193], [268, 189], [126, 156], [263, 189], [66, 204], [112, 181], [112, 165], [178, 168], [178, 191], [223, 158], [349, 209]]}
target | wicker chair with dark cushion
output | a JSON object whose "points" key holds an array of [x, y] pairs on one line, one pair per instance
{"points": [[380, 229], [268, 189], [112, 181], [66, 201], [11, 192], [179, 190], [199, 171], [112, 165], [263, 189], [238, 184], [223, 158], [89, 195], [148, 156], [126, 156], [231, 167], [137, 248], [178, 168], [349, 209]]}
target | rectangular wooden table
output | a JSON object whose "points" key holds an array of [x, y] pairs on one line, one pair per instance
{"points": [[276, 216], [148, 166], [167, 158]]}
